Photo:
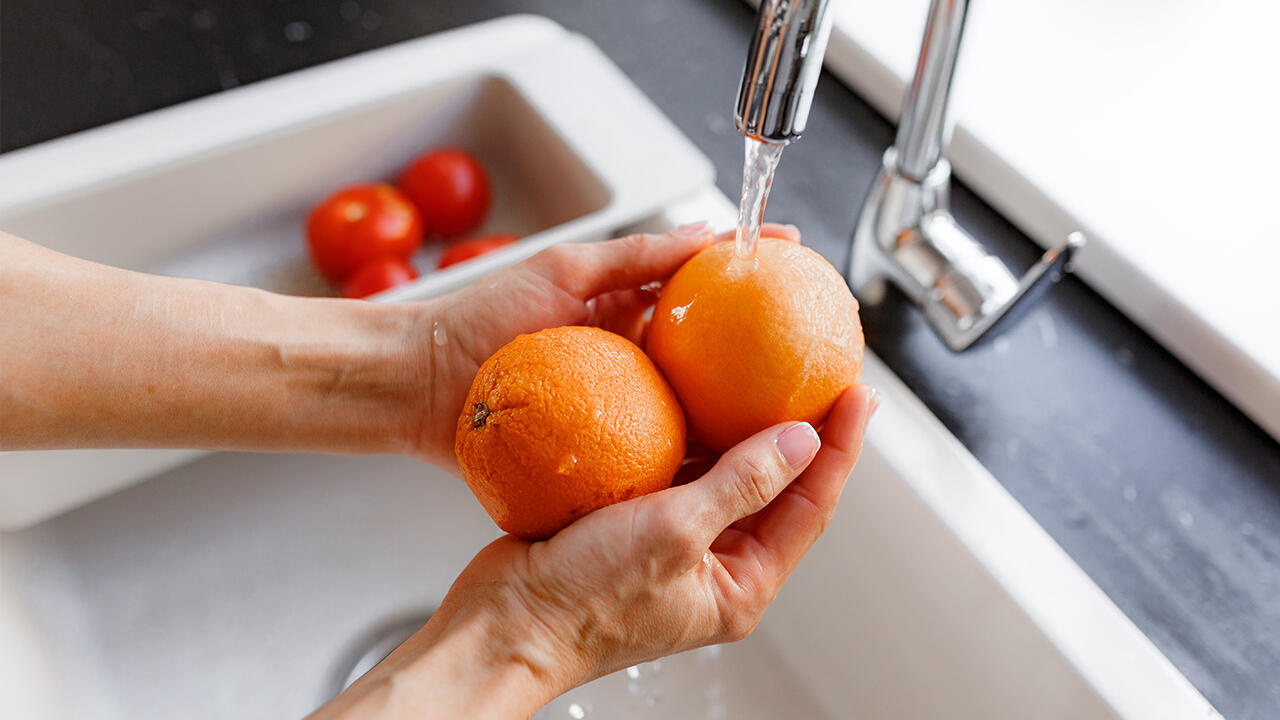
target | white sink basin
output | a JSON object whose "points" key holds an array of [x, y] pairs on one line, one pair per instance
{"points": [[236, 585], [243, 580]]}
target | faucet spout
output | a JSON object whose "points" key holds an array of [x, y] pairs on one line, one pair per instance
{"points": [[784, 61]]}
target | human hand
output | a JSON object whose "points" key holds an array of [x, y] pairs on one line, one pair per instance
{"points": [[692, 565], [609, 284], [169, 362]]}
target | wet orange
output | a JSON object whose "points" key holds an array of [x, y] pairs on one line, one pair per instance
{"points": [[751, 342], [565, 421]]}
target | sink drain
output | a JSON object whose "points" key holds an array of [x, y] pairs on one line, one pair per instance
{"points": [[373, 647]]}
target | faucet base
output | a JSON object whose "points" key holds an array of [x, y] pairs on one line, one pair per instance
{"points": [[906, 235]]}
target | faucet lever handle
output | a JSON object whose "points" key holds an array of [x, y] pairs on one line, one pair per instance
{"points": [[961, 325]]}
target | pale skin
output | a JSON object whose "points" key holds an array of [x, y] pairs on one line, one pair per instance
{"points": [[103, 357]]}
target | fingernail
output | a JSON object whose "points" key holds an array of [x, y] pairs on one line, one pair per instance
{"points": [[691, 228], [798, 444], [873, 400]]}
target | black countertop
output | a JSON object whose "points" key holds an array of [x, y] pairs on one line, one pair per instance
{"points": [[1164, 493]]}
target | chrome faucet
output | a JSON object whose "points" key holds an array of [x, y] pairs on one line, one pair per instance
{"points": [[906, 233], [784, 61]]}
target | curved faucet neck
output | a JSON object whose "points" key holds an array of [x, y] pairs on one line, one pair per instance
{"points": [[922, 129]]}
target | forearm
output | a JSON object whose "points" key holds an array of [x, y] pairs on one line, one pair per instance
{"points": [[102, 357]]}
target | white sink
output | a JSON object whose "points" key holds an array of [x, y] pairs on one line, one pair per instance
{"points": [[244, 580], [235, 585]]}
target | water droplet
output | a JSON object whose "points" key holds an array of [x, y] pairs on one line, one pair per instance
{"points": [[567, 464], [576, 711], [1130, 493], [1185, 519], [298, 31], [1001, 345], [678, 313], [438, 335], [349, 10], [633, 672], [1124, 356]]}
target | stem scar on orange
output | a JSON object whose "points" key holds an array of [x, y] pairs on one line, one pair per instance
{"points": [[565, 421], [751, 342]]}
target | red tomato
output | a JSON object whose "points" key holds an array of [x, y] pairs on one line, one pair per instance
{"points": [[377, 275], [359, 224], [451, 190], [473, 247]]}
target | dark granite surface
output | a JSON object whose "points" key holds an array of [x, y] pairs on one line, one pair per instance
{"points": [[1165, 494]]}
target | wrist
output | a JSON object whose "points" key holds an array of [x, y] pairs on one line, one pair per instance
{"points": [[474, 663], [357, 376], [486, 651]]}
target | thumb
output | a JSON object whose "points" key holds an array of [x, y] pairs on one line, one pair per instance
{"points": [[748, 477]]}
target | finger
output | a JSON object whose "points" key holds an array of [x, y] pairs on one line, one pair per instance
{"points": [[747, 478], [790, 233], [823, 481], [774, 540], [624, 311], [591, 269]]}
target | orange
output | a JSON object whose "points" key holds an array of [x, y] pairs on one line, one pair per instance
{"points": [[751, 342], [565, 421]]}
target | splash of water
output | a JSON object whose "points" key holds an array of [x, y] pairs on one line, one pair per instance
{"points": [[759, 162]]}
